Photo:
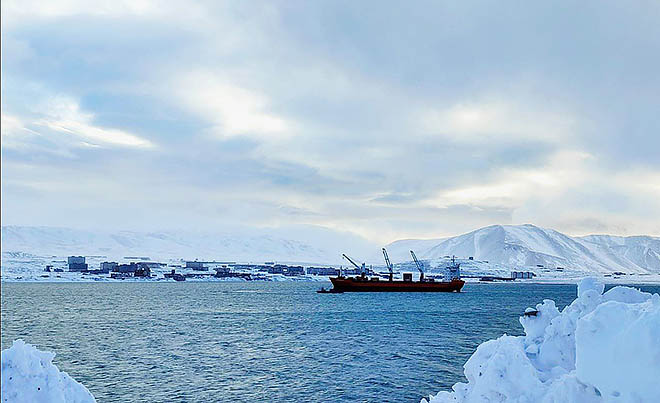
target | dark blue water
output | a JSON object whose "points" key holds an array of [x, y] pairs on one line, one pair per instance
{"points": [[158, 342]]}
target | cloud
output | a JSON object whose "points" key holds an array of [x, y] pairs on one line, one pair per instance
{"points": [[385, 121], [65, 116], [11, 125], [497, 120], [231, 109], [514, 186], [23, 10]]}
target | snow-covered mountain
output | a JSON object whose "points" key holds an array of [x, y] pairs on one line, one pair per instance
{"points": [[319, 245], [399, 251], [519, 246], [504, 247]]}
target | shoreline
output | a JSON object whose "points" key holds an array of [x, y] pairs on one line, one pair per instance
{"points": [[572, 281]]}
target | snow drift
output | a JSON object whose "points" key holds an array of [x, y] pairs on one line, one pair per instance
{"points": [[600, 348], [29, 375]]}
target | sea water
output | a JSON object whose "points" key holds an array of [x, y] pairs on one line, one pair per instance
{"points": [[248, 341]]}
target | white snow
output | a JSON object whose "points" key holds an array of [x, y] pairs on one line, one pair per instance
{"points": [[497, 250], [29, 375], [600, 348], [295, 244], [525, 246]]}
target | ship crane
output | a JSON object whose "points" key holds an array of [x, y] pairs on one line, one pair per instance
{"points": [[419, 266], [361, 269], [390, 267]]}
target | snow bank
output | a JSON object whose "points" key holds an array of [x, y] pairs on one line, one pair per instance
{"points": [[600, 348], [28, 375]]}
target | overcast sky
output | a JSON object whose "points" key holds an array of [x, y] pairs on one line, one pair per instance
{"points": [[386, 119]]}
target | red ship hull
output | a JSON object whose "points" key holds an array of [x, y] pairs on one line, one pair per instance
{"points": [[358, 284]]}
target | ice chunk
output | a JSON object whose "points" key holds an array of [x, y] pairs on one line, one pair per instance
{"points": [[600, 348], [618, 349], [28, 375], [590, 284]]}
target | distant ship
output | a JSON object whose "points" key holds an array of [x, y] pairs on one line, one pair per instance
{"points": [[362, 283]]}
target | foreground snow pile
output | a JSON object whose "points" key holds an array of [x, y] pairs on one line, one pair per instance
{"points": [[28, 375], [601, 348]]}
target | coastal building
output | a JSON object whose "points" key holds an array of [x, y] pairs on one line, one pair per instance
{"points": [[294, 271], [152, 265], [175, 276], [195, 265], [222, 271], [77, 263], [522, 274], [142, 270], [276, 269], [125, 268], [107, 267], [323, 271]]}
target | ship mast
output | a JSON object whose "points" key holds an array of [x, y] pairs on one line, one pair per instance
{"points": [[419, 266], [362, 269], [390, 267]]}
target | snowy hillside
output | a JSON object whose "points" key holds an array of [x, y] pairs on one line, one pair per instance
{"points": [[520, 246], [323, 245], [642, 251], [497, 249], [399, 251]]}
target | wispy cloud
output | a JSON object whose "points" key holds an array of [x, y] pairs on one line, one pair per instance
{"points": [[65, 116]]}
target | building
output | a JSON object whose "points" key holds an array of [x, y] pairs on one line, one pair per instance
{"points": [[242, 266], [222, 271], [107, 267], [77, 263], [198, 266], [153, 265], [294, 271], [323, 271], [175, 276], [276, 269], [142, 270], [522, 274], [125, 268]]}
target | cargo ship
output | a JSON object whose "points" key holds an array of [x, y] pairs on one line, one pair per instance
{"points": [[362, 283]]}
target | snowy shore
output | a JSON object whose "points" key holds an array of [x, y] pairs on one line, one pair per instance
{"points": [[600, 348], [21, 267]]}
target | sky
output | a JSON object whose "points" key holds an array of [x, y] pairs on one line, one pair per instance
{"points": [[386, 120]]}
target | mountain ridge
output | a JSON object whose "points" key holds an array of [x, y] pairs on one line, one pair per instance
{"points": [[504, 246], [528, 245]]}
